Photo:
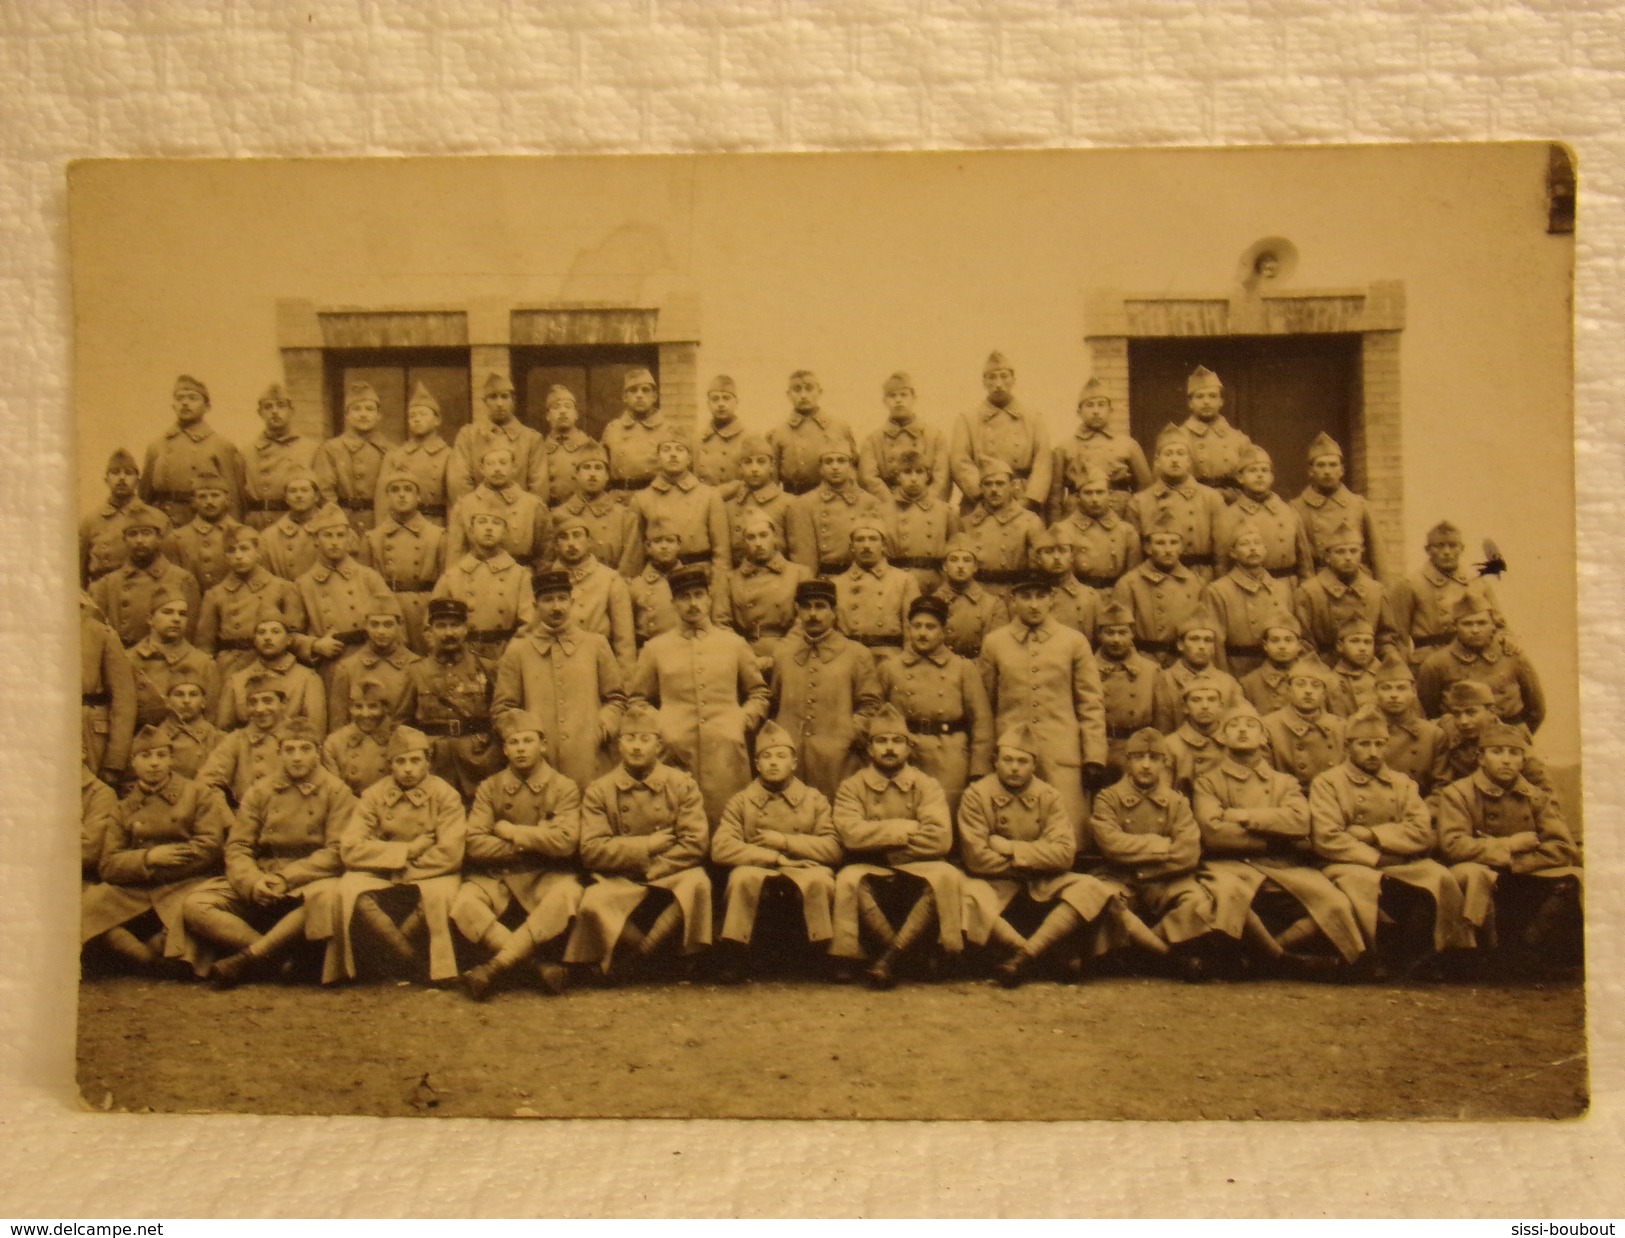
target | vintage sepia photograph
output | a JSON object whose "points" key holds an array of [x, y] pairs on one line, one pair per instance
{"points": [[959, 635]]}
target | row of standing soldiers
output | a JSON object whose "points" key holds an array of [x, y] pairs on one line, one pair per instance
{"points": [[1249, 620]]}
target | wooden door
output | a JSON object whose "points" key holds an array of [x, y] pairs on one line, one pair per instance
{"points": [[593, 372], [1282, 390], [394, 374]]}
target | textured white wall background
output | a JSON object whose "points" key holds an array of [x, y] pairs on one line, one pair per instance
{"points": [[237, 77]]}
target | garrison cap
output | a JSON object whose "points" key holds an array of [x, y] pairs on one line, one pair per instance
{"points": [[1503, 735], [593, 453], [1201, 377], [724, 383], [148, 739], [911, 459], [513, 722], [269, 612], [550, 581], [1020, 737], [448, 608], [263, 681], [996, 360], [835, 449], [1246, 527], [1199, 620], [1344, 534], [1203, 681], [385, 603], [210, 480], [1045, 538], [772, 735], [422, 397], [1473, 601], [187, 678], [961, 543], [1355, 626], [187, 383], [1466, 692], [1444, 531], [327, 516], [496, 383], [1366, 722], [122, 459], [637, 374], [143, 517], [994, 466], [570, 520], [1285, 620], [1241, 709], [485, 513], [1323, 444], [1393, 669], [1165, 522], [298, 472], [1253, 454], [276, 393], [240, 533], [358, 391], [688, 578], [897, 382], [662, 529], [401, 475], [813, 590], [298, 730], [1115, 614], [641, 718], [1307, 667], [368, 689], [1093, 389], [558, 394], [164, 597], [754, 445], [1174, 434], [887, 720], [1147, 740], [678, 437], [406, 739], [929, 604]]}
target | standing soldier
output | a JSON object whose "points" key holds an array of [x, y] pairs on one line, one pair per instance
{"points": [[632, 440], [759, 494], [271, 655], [1513, 854], [383, 656], [762, 589], [973, 611], [644, 839], [942, 698], [164, 838], [408, 551], [1002, 428], [924, 522], [523, 832], [819, 523], [716, 457], [609, 522], [872, 597], [101, 534], [1245, 599], [447, 696], [106, 695], [496, 590], [706, 684], [1352, 681], [289, 543], [274, 455], [524, 516], [1001, 528], [600, 599], [569, 679], [904, 436], [652, 611], [1266, 685], [1415, 745], [192, 737], [893, 823], [800, 442], [282, 845], [1177, 502], [1076, 605], [675, 499], [1043, 674], [348, 466], [1341, 591], [406, 835], [1479, 651], [1094, 450], [1160, 591], [163, 656], [199, 545], [1305, 740], [225, 626], [1018, 847], [1327, 503], [1104, 544], [775, 834], [249, 752], [1257, 860], [566, 445], [1216, 445], [1127, 680], [499, 428], [124, 595], [1198, 642], [1369, 825], [821, 682], [424, 457], [1424, 601], [188, 448], [335, 593], [1288, 555], [358, 752]]}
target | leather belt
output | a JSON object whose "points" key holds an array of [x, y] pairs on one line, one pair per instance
{"points": [[95, 698], [628, 483], [433, 509], [232, 646], [1122, 732], [1125, 484], [356, 505], [403, 587], [171, 496], [1244, 651], [1227, 482], [1283, 573], [694, 557], [1432, 642], [957, 727], [492, 634], [1156, 646], [353, 637], [833, 569], [877, 642], [265, 505], [1098, 582], [1000, 575], [1202, 560], [934, 562], [455, 728], [794, 488]]}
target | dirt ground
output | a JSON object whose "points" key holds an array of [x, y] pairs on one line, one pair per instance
{"points": [[1112, 1048]]}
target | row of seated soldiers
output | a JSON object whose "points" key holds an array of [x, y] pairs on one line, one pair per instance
{"points": [[1038, 681]]}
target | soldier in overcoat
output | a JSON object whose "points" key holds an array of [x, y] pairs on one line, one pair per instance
{"points": [[274, 455], [425, 457], [501, 427], [101, 534], [1216, 445], [800, 441], [1002, 428], [230, 610], [1177, 501], [973, 611], [1244, 599], [408, 550], [903, 437], [1096, 451], [1327, 503], [189, 447], [347, 466], [447, 695]]}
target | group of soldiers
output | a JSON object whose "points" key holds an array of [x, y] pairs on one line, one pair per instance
{"points": [[538, 705]]}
